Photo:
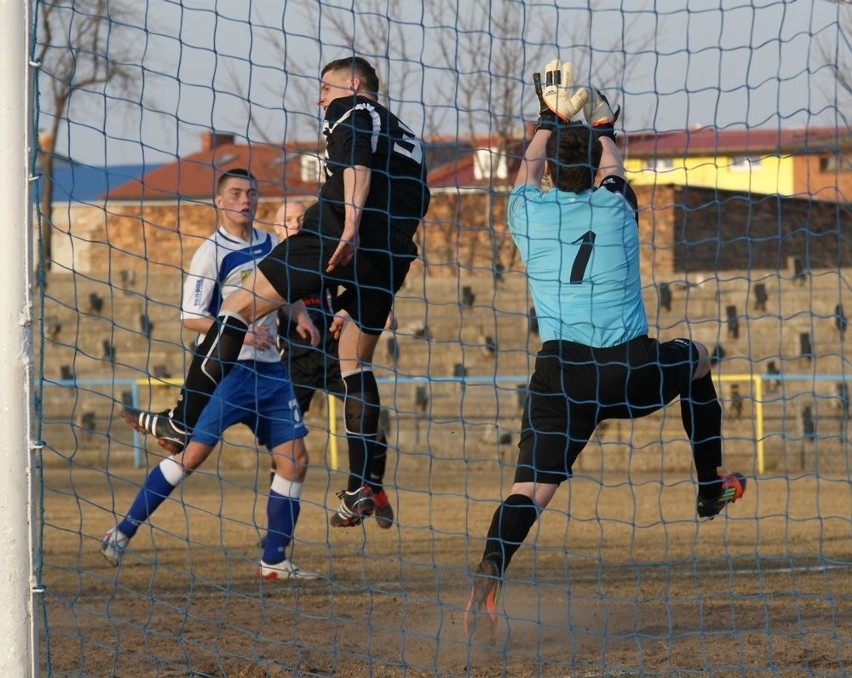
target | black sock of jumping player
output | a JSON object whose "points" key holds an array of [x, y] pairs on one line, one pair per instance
{"points": [[509, 528], [213, 359], [379, 461], [361, 414], [702, 421]]}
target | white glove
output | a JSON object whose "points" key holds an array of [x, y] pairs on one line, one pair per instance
{"points": [[598, 111], [557, 90]]}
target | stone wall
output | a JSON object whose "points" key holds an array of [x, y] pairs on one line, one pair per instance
{"points": [[723, 231]]}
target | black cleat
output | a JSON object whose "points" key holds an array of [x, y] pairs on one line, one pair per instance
{"points": [[733, 488], [383, 511], [169, 435], [484, 596], [353, 507]]}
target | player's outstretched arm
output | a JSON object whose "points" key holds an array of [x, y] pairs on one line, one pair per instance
{"points": [[611, 161], [534, 161]]}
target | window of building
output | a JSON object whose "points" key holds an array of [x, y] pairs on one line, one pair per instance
{"points": [[658, 164], [224, 159], [744, 163], [311, 168], [836, 162], [488, 164]]}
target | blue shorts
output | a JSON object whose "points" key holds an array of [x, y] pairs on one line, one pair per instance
{"points": [[258, 395]]}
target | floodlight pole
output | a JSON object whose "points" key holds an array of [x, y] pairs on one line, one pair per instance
{"points": [[17, 631]]}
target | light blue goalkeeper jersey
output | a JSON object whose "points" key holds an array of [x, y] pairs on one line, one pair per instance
{"points": [[581, 252]]}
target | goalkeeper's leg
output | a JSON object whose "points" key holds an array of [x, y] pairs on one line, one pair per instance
{"points": [[545, 459], [702, 420]]}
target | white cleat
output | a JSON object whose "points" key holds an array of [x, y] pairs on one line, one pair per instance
{"points": [[113, 545], [284, 570]]}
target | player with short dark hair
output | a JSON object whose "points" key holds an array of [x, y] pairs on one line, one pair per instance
{"points": [[255, 392], [359, 235], [360, 68], [580, 244]]}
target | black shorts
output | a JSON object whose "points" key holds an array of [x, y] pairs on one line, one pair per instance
{"points": [[312, 370], [296, 269], [575, 387]]}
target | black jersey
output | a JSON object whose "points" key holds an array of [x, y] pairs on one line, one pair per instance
{"points": [[360, 131]]}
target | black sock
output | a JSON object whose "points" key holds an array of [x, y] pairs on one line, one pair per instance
{"points": [[378, 463], [213, 359], [361, 414], [702, 421], [509, 527]]}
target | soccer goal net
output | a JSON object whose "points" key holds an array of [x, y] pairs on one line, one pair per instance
{"points": [[733, 129]]}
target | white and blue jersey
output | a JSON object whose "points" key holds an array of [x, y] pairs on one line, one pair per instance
{"points": [[581, 252], [219, 267], [257, 390]]}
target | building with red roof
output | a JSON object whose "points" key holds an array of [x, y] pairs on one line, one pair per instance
{"points": [[294, 168], [812, 163], [157, 219]]}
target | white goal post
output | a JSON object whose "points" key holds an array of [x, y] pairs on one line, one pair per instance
{"points": [[17, 647]]}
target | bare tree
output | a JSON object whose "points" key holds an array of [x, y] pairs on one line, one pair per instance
{"points": [[473, 63], [370, 32], [80, 49], [489, 59], [835, 53]]}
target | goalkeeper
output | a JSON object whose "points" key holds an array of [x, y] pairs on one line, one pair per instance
{"points": [[580, 244]]}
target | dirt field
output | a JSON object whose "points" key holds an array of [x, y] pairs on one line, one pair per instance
{"points": [[631, 584]]}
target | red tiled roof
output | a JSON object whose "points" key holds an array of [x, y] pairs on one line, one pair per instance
{"points": [[707, 140], [712, 141], [451, 159], [278, 171]]}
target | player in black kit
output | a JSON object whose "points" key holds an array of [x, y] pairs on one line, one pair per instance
{"points": [[359, 235], [316, 368]]}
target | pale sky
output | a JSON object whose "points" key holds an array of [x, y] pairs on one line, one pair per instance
{"points": [[671, 65]]}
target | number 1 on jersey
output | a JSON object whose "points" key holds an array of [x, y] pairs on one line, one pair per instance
{"points": [[581, 262]]}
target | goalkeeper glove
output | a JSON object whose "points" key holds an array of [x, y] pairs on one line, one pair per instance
{"points": [[556, 100], [546, 118], [599, 114]]}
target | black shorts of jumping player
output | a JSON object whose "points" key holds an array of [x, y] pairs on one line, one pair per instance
{"points": [[296, 268], [574, 388], [314, 369]]}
